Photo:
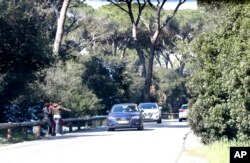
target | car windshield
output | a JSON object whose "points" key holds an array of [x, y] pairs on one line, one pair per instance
{"points": [[184, 106], [148, 106], [124, 108]]}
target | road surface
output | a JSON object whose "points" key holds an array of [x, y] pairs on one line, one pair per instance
{"points": [[157, 143]]}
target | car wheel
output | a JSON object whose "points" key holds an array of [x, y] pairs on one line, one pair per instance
{"points": [[159, 120], [180, 120], [111, 129], [140, 128]]}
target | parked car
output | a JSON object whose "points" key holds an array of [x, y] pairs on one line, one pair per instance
{"points": [[183, 112], [151, 111], [125, 115]]}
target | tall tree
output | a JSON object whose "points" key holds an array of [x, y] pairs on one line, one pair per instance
{"points": [[135, 19], [155, 28], [154, 36], [60, 25]]}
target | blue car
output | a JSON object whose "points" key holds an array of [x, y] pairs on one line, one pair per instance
{"points": [[125, 115]]}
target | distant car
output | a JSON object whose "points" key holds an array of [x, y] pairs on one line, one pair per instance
{"points": [[151, 111], [183, 112], [126, 115]]}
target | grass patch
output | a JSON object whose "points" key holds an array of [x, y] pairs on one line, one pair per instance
{"points": [[217, 151]]}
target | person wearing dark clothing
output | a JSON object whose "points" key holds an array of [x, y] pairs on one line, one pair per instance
{"points": [[48, 117], [51, 108]]}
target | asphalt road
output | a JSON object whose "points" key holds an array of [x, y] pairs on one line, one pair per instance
{"points": [[161, 143]]}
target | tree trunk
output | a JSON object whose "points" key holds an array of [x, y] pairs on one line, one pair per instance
{"points": [[141, 58], [123, 50], [148, 80], [139, 51], [60, 25], [181, 68]]}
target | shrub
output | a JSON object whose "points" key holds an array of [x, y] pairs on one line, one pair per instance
{"points": [[220, 86]]}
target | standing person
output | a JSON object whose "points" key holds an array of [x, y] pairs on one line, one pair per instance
{"points": [[57, 109], [48, 117], [51, 108]]}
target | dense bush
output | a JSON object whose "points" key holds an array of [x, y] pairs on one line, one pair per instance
{"points": [[24, 51], [221, 84]]}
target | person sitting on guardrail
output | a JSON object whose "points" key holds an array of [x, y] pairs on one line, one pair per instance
{"points": [[48, 117], [57, 109]]}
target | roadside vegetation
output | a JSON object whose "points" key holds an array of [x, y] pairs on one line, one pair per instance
{"points": [[17, 136], [220, 85], [217, 151]]}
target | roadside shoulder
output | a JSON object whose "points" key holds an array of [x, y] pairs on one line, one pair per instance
{"points": [[190, 142]]}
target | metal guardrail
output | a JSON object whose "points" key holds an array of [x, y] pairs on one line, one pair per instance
{"points": [[37, 125], [68, 122], [166, 115]]}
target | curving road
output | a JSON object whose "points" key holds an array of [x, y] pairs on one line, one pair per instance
{"points": [[156, 143]]}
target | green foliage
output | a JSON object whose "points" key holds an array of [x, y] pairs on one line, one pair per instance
{"points": [[182, 29], [220, 85], [63, 83], [106, 78], [188, 23], [220, 3], [18, 136], [172, 86], [217, 151], [24, 51], [115, 16]]}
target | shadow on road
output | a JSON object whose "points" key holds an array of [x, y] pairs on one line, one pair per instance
{"points": [[171, 123], [66, 136], [131, 129], [172, 126], [81, 133]]}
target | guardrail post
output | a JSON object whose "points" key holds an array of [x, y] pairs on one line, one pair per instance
{"points": [[93, 123], [78, 126], [100, 122], [86, 124], [70, 127], [25, 133], [9, 134], [103, 121], [37, 131]]}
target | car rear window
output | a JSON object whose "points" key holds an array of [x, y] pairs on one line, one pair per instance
{"points": [[124, 108], [148, 106]]}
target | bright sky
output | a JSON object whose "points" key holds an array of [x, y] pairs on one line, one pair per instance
{"points": [[170, 4]]}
